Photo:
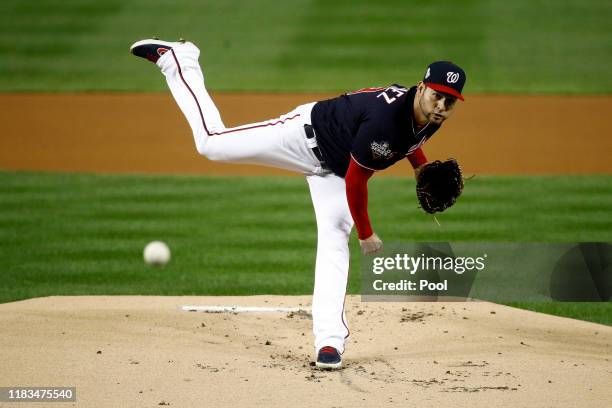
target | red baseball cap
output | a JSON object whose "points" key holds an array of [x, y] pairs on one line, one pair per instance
{"points": [[445, 77]]}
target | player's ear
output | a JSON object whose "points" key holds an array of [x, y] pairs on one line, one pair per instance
{"points": [[420, 87]]}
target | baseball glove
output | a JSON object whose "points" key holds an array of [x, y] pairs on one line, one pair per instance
{"points": [[439, 184]]}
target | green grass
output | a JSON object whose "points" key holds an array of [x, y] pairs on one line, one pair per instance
{"points": [[76, 234], [593, 312], [536, 46]]}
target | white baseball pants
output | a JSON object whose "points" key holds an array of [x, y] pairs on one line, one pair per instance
{"points": [[278, 143]]}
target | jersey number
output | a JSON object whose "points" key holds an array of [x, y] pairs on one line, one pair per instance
{"points": [[391, 93]]}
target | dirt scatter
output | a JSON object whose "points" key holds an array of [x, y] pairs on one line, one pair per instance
{"points": [[157, 356]]}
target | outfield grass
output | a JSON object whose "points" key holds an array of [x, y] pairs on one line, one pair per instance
{"points": [[310, 45], [75, 234]]}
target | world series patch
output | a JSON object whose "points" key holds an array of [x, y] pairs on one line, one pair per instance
{"points": [[381, 150]]}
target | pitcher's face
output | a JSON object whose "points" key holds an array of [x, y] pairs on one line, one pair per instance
{"points": [[436, 106]]}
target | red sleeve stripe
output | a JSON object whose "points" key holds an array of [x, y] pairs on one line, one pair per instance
{"points": [[417, 158], [365, 90], [357, 197]]}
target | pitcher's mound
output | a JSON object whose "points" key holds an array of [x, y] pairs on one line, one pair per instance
{"points": [[145, 351]]}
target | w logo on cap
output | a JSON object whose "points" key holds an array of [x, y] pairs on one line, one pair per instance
{"points": [[445, 77], [452, 77]]}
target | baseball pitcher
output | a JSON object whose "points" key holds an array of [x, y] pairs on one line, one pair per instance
{"points": [[338, 144]]}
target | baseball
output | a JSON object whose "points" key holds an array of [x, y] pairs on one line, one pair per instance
{"points": [[157, 253]]}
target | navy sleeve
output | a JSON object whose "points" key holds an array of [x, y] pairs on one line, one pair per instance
{"points": [[374, 141], [369, 145], [373, 144]]}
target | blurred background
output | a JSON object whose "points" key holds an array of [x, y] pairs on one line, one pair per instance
{"points": [[309, 45]]}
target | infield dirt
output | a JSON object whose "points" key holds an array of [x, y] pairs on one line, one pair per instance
{"points": [[145, 352], [147, 133]]}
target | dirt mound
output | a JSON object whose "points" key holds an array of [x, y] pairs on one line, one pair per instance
{"points": [[145, 351]]}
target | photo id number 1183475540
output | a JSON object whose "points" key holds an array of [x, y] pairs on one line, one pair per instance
{"points": [[37, 394]]}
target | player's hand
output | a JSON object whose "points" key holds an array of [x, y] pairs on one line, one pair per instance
{"points": [[371, 245]]}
